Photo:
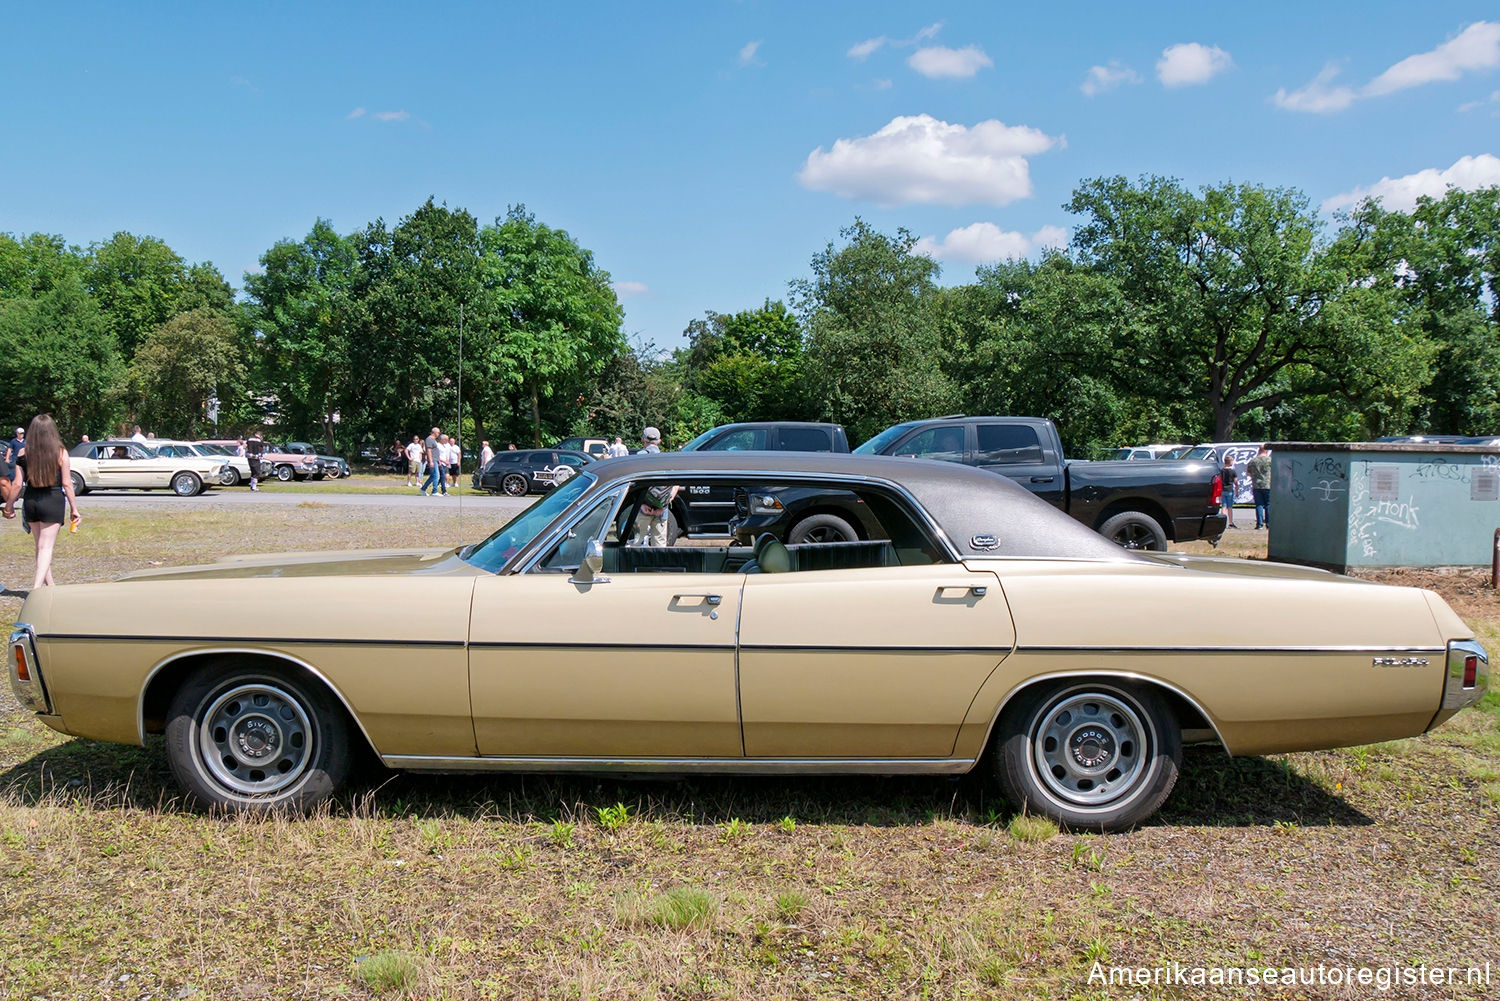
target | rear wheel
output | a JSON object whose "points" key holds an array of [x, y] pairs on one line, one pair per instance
{"points": [[186, 484], [1135, 530], [822, 528], [256, 739], [1097, 755], [79, 487], [231, 477], [514, 484]]}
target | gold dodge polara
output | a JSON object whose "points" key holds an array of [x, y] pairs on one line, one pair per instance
{"points": [[969, 626]]}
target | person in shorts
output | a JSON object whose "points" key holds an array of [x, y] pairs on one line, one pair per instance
{"points": [[254, 448]]}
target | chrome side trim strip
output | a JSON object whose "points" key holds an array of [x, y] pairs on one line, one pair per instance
{"points": [[1230, 649], [1103, 673], [140, 705], [727, 766], [301, 640], [998, 651]]}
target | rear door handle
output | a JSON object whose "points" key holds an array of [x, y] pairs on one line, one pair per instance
{"points": [[711, 600], [1043, 479]]}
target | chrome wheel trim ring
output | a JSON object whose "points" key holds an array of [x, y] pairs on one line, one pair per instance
{"points": [[1091, 750], [256, 739]]}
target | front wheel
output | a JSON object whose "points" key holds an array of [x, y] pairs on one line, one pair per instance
{"points": [[514, 484], [285, 473], [231, 477], [185, 484], [256, 739], [1095, 755], [1135, 530]]}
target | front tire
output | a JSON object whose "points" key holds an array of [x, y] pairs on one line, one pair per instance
{"points": [[285, 473], [514, 484], [185, 484], [231, 477], [822, 528], [1092, 755], [256, 739], [1135, 530]]}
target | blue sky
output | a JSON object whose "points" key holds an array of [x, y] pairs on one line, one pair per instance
{"points": [[705, 151]]}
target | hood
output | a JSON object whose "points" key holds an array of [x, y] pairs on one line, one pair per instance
{"points": [[331, 563], [1237, 567]]}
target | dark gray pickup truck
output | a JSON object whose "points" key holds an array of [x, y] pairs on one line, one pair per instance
{"points": [[1140, 505]]}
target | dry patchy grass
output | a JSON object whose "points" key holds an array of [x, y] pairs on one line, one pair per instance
{"points": [[528, 887]]}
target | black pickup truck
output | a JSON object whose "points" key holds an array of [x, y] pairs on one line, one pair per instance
{"points": [[1140, 505]]}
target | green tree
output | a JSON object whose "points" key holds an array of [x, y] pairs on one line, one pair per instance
{"points": [[1234, 303], [140, 282], [184, 364], [873, 348], [749, 363], [550, 322]]}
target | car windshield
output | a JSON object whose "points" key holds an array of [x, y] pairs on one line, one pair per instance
{"points": [[1201, 452], [877, 444], [697, 442], [494, 552]]}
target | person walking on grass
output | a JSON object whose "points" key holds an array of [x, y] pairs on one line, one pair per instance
{"points": [[433, 455], [47, 492], [1228, 477], [414, 461], [254, 449]]}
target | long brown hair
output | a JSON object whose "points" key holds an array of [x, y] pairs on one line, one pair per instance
{"points": [[42, 445]]}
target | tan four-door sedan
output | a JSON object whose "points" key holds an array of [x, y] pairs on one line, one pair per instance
{"points": [[971, 626]]}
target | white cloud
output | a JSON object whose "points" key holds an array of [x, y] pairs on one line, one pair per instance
{"points": [[747, 53], [1401, 193], [392, 116], [1477, 47], [865, 49], [630, 290], [986, 243], [1105, 78], [884, 83], [941, 61], [1494, 98], [1189, 63], [1317, 97], [356, 113], [919, 159], [929, 32]]}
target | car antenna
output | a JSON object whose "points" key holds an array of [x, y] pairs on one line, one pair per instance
{"points": [[459, 427]]}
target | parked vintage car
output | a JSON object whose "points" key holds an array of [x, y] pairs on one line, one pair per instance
{"points": [[284, 466], [121, 463], [982, 629], [237, 467], [333, 466], [523, 471], [595, 448]]}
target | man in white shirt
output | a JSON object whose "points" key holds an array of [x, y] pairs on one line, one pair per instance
{"points": [[413, 461], [618, 449], [137, 436]]}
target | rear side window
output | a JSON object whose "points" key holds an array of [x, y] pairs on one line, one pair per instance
{"points": [[742, 440], [805, 440], [1001, 443]]}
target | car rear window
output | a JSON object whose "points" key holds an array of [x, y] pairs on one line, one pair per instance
{"points": [[805, 440]]}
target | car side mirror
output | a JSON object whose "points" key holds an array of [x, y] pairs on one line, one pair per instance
{"points": [[589, 571]]}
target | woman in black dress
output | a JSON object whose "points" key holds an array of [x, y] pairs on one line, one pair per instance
{"points": [[48, 493]]}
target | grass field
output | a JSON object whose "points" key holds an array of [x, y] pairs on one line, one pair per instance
{"points": [[522, 887]]}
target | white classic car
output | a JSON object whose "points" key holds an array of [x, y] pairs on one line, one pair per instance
{"points": [[118, 463], [237, 466]]}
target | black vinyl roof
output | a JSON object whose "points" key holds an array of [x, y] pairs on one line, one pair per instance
{"points": [[967, 503]]}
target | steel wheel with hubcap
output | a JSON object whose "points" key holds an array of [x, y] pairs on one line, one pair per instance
{"points": [[231, 477], [256, 738], [185, 484], [79, 487], [1100, 755]]}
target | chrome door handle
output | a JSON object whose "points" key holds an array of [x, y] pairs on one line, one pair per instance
{"points": [[712, 599], [976, 590]]}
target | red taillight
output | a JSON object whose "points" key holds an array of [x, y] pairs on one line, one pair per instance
{"points": [[1216, 499], [1471, 671], [24, 675]]}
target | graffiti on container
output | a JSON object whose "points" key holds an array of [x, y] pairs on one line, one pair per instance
{"points": [[1442, 469], [1402, 514], [1362, 531], [1329, 491], [1330, 466]]}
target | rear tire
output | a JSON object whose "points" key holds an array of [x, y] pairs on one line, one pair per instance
{"points": [[256, 739], [1099, 755], [231, 477], [514, 484], [79, 487], [1135, 530], [822, 528]]}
